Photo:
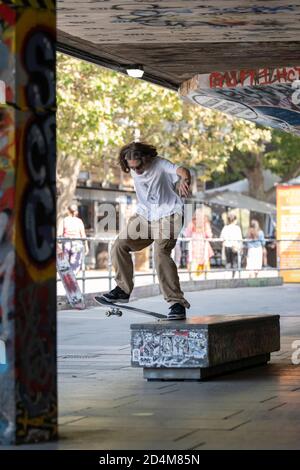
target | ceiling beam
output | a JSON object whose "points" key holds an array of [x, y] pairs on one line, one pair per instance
{"points": [[112, 64]]}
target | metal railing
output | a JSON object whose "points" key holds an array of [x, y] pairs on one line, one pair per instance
{"points": [[184, 265]]}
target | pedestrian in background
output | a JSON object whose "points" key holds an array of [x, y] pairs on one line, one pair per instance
{"points": [[232, 236], [199, 230], [255, 245], [72, 227]]}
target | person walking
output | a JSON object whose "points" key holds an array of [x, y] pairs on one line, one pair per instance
{"points": [[232, 236], [199, 230], [72, 227], [255, 245], [158, 220]]}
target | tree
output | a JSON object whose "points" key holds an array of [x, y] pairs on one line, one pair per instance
{"points": [[274, 150], [100, 110], [248, 154], [283, 157]]}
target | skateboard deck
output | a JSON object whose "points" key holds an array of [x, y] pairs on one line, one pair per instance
{"points": [[116, 309], [68, 278]]}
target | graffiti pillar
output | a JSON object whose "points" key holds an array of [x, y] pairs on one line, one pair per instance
{"points": [[28, 395], [267, 96]]}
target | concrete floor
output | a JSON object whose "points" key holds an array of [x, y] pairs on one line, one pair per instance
{"points": [[106, 404]]}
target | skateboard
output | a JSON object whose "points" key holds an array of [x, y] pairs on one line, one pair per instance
{"points": [[116, 309], [68, 278]]}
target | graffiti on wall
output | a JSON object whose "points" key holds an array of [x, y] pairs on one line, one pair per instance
{"points": [[266, 96], [7, 262], [184, 16], [28, 401], [169, 348], [2, 91], [7, 251], [123, 21], [7, 161]]}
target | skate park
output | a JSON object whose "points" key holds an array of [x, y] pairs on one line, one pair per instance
{"points": [[232, 411], [82, 362], [107, 404]]}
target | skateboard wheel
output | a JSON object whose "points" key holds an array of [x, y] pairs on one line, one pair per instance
{"points": [[108, 313]]}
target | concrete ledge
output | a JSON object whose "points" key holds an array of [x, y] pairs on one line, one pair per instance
{"points": [[187, 286], [216, 343]]}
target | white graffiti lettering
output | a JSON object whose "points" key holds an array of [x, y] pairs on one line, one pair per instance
{"points": [[2, 352], [296, 353]]}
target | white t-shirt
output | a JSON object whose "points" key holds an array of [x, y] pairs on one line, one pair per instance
{"points": [[155, 190], [232, 236], [71, 227]]}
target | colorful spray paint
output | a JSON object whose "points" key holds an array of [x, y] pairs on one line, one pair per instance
{"points": [[28, 389], [266, 96]]}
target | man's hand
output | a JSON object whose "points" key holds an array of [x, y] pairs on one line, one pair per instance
{"points": [[184, 188], [185, 182]]}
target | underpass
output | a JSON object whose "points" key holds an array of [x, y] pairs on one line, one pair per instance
{"points": [[104, 403]]}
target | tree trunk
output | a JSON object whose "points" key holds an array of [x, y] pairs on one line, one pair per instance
{"points": [[67, 172], [255, 178]]}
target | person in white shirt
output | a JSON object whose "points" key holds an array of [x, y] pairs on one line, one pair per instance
{"points": [[232, 236], [158, 219]]}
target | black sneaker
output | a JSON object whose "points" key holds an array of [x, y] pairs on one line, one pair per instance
{"points": [[116, 295], [177, 312]]}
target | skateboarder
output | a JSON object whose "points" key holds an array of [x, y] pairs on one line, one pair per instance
{"points": [[158, 219]]}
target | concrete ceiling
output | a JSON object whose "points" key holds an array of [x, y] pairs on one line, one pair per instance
{"points": [[176, 40]]}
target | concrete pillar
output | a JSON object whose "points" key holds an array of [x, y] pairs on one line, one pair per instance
{"points": [[28, 384]]}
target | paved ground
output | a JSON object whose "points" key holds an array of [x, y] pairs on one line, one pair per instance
{"points": [[106, 404]]}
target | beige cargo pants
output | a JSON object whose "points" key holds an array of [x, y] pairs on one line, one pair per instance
{"points": [[139, 234]]}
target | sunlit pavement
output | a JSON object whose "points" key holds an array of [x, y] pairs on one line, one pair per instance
{"points": [[106, 404]]}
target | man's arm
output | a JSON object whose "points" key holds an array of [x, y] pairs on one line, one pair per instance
{"points": [[185, 181]]}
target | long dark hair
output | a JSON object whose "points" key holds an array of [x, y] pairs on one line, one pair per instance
{"points": [[135, 151]]}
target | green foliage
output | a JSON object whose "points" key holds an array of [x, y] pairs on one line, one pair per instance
{"points": [[277, 151], [100, 110], [284, 156]]}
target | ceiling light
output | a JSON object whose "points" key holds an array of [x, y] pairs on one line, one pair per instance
{"points": [[136, 71]]}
